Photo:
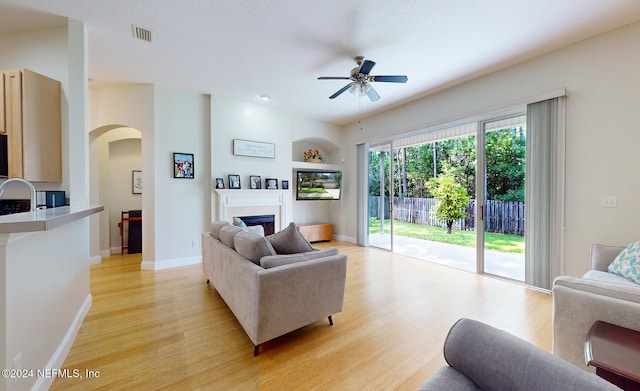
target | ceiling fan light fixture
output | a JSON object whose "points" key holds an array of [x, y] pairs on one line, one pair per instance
{"points": [[264, 97], [360, 89]]}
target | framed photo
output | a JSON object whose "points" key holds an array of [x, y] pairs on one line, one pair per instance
{"points": [[271, 183], [234, 181], [254, 181], [219, 183], [183, 166], [136, 182], [285, 184]]}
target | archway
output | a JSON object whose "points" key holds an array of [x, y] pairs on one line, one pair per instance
{"points": [[115, 153]]}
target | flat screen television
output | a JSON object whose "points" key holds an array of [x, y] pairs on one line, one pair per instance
{"points": [[318, 185]]}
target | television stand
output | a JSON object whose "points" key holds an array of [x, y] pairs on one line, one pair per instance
{"points": [[319, 232]]}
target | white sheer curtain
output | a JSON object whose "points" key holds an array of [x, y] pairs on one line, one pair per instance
{"points": [[544, 191]]}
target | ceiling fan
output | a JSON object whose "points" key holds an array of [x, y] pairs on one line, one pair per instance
{"points": [[360, 79]]}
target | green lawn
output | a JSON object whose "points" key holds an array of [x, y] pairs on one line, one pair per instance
{"points": [[493, 241]]}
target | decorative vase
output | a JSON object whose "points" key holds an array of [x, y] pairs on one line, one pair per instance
{"points": [[315, 160]]}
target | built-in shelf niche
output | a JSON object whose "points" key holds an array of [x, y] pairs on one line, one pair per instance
{"points": [[330, 151]]}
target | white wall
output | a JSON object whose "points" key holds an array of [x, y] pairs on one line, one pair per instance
{"points": [[175, 211], [181, 211], [603, 88], [34, 287], [124, 106], [232, 119]]}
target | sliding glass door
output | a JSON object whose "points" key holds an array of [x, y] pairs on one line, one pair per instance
{"points": [[454, 197], [501, 211], [380, 208]]}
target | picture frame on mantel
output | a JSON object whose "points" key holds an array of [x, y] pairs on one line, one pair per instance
{"points": [[255, 182], [234, 181], [271, 184], [254, 149]]}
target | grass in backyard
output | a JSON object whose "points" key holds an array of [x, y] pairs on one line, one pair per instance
{"points": [[493, 241]]}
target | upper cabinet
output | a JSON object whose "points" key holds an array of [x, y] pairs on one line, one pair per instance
{"points": [[30, 116]]}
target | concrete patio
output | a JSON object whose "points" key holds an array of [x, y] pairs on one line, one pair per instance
{"points": [[508, 265]]}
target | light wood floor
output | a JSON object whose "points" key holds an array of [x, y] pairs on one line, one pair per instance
{"points": [[169, 330]]}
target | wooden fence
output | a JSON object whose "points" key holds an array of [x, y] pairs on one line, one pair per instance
{"points": [[500, 216]]}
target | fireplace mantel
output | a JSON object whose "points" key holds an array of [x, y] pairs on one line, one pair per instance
{"points": [[238, 202]]}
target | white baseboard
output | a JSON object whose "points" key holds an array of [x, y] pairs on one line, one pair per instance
{"points": [[344, 238], [95, 260], [105, 253], [170, 263], [61, 353], [115, 250]]}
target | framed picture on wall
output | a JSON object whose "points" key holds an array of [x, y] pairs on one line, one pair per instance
{"points": [[136, 182], [183, 165]]}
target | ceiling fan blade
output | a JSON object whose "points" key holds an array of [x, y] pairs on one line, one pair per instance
{"points": [[390, 79], [340, 91], [366, 67], [372, 94], [333, 78]]}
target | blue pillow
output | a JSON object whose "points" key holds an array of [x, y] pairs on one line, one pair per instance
{"points": [[627, 263], [239, 223]]}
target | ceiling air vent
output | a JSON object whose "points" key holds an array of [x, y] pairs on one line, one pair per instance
{"points": [[141, 33]]}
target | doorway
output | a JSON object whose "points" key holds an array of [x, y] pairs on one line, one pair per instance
{"points": [[116, 163]]}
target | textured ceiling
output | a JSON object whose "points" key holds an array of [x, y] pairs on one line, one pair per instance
{"points": [[244, 49]]}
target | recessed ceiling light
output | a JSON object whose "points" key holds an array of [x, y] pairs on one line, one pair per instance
{"points": [[264, 97]]}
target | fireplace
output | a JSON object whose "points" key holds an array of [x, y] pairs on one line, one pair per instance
{"points": [[266, 221], [252, 202]]}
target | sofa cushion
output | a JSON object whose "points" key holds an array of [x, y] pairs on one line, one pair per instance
{"points": [[627, 263], [215, 228], [597, 275], [285, 259], [227, 233], [290, 241], [252, 246]]}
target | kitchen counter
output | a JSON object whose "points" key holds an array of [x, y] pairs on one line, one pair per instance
{"points": [[45, 219]]}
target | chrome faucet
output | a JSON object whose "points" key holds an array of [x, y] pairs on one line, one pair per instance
{"points": [[31, 189]]}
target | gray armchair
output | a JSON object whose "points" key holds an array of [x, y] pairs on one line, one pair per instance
{"points": [[598, 295], [481, 357]]}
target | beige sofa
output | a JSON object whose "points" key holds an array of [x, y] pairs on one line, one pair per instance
{"points": [[272, 294], [598, 295]]}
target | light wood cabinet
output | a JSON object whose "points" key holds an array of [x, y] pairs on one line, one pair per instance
{"points": [[316, 232], [30, 116]]}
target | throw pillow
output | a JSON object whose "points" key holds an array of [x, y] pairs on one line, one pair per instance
{"points": [[252, 246], [215, 228], [627, 263], [290, 241], [237, 221], [227, 233], [256, 229]]}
